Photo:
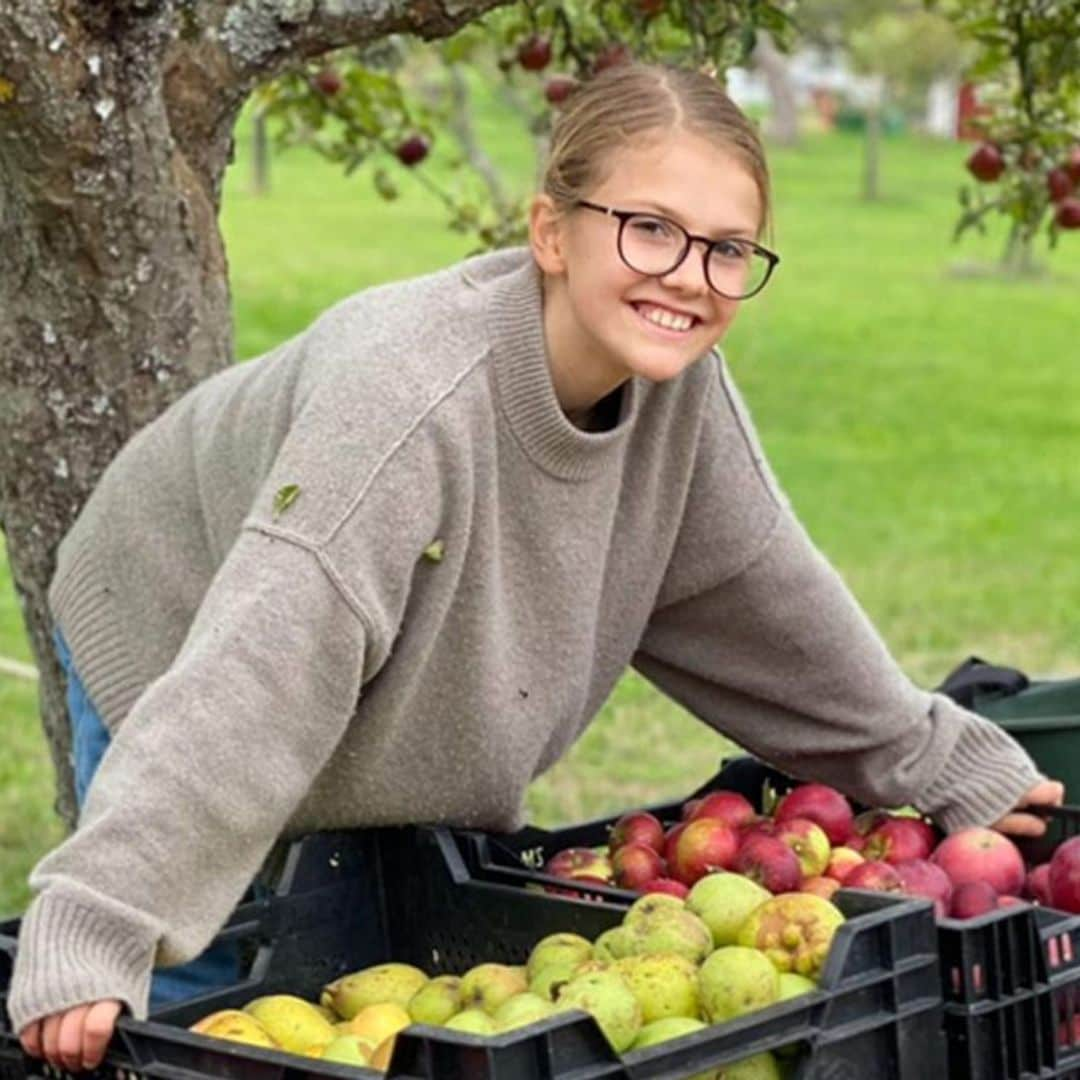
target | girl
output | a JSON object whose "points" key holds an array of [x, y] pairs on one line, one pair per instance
{"points": [[388, 572]]}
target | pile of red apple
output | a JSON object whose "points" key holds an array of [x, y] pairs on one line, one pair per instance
{"points": [[814, 842]]}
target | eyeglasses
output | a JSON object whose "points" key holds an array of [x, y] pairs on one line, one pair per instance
{"points": [[654, 245]]}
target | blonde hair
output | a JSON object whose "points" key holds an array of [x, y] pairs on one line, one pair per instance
{"points": [[604, 113]]}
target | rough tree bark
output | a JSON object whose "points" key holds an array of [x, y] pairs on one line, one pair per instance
{"points": [[784, 114], [116, 121]]}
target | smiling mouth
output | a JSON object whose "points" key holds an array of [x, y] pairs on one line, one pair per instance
{"points": [[681, 325]]}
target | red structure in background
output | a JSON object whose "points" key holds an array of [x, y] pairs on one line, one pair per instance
{"points": [[968, 110]]}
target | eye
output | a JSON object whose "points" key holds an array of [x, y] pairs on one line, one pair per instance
{"points": [[735, 250], [652, 227]]}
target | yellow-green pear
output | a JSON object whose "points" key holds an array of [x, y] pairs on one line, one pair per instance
{"points": [[612, 944], [473, 1021], [293, 1023], [521, 1009], [348, 1050], [547, 982], [558, 948], [487, 986], [664, 928], [372, 986], [723, 902], [735, 980], [236, 1026], [607, 997], [665, 985], [792, 984], [671, 1027], [759, 1067], [436, 1001]]}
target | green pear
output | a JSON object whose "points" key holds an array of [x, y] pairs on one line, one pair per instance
{"points": [[759, 1067], [521, 1009], [612, 944], [792, 984], [665, 929], [556, 948], [293, 1023], [735, 980], [665, 985], [610, 1001], [372, 986], [547, 982], [436, 1001], [487, 986], [671, 1027], [349, 1050], [723, 902], [648, 905], [474, 1021]]}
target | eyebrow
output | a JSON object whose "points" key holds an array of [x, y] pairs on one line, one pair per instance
{"points": [[721, 234]]}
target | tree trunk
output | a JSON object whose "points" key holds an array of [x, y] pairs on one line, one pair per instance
{"points": [[784, 113], [115, 130]]}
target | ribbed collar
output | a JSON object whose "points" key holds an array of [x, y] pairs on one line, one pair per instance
{"points": [[515, 324]]}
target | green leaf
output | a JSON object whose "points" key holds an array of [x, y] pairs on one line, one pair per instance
{"points": [[284, 498], [434, 551]]}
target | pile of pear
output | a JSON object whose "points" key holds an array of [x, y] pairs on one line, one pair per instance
{"points": [[670, 968]]}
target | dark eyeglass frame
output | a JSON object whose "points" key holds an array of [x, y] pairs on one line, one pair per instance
{"points": [[623, 216]]}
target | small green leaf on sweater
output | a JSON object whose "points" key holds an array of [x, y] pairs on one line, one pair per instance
{"points": [[284, 498], [434, 551]]}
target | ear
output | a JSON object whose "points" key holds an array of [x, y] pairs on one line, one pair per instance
{"points": [[547, 235]]}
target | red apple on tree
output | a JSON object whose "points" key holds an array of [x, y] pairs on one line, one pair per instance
{"points": [[558, 88], [986, 163], [327, 82], [1059, 184], [821, 804], [534, 53], [412, 150], [611, 54], [1072, 164], [1067, 215]]}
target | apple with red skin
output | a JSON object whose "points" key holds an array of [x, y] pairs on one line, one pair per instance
{"points": [[809, 842], [728, 806], [688, 808], [876, 875], [898, 839], [634, 864], [1037, 886], [558, 88], [1010, 901], [981, 854], [1067, 215], [823, 805], [650, 7], [611, 54], [412, 150], [842, 861], [637, 827], [1064, 876], [920, 877], [1072, 164], [973, 898], [866, 822], [534, 53], [770, 862], [574, 894], [1059, 184], [665, 885], [671, 838], [328, 82], [986, 163], [819, 885], [576, 862], [702, 846]]}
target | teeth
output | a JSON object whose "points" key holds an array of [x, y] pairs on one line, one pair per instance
{"points": [[667, 319]]}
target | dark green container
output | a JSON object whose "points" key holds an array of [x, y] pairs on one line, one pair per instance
{"points": [[1042, 715]]}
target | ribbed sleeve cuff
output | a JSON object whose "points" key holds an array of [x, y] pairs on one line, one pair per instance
{"points": [[983, 777], [71, 952]]}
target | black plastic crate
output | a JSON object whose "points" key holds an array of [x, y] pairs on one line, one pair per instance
{"points": [[349, 900]]}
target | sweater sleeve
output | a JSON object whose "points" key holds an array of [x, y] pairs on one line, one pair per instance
{"points": [[777, 654], [199, 781]]}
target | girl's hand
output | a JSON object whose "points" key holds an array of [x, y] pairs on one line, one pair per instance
{"points": [[75, 1039], [1045, 793]]}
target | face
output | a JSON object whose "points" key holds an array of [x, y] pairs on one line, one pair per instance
{"points": [[596, 307]]}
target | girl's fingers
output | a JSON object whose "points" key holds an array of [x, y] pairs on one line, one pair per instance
{"points": [[98, 1029], [30, 1037], [69, 1042]]}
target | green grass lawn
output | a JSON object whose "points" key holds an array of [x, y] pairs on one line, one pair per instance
{"points": [[926, 425]]}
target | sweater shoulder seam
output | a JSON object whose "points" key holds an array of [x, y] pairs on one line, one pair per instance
{"points": [[396, 446], [326, 564]]}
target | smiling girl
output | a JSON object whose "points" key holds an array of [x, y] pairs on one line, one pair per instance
{"points": [[389, 571]]}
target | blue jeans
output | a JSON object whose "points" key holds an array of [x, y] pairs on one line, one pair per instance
{"points": [[219, 965]]}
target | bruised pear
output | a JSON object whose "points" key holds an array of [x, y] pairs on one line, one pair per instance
{"points": [[736, 980], [236, 1026], [547, 982], [372, 986], [558, 948], [794, 930], [522, 1009], [293, 1023], [724, 901], [487, 986], [655, 927], [606, 996], [436, 1001], [665, 985], [376, 1023], [612, 944]]}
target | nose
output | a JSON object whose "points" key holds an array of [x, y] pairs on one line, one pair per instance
{"points": [[689, 275]]}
